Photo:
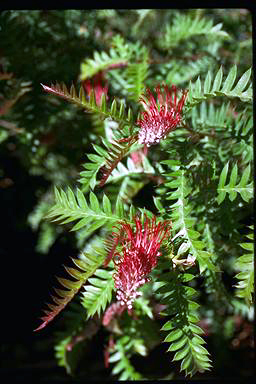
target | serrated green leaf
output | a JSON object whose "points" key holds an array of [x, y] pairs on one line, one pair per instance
{"points": [[187, 277], [121, 110], [246, 194], [200, 350], [119, 207], [247, 246]]}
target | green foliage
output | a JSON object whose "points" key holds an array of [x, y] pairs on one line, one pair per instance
{"points": [[180, 72], [210, 116], [46, 238], [114, 111], [88, 177], [120, 356], [116, 150], [136, 75], [244, 188], [185, 27], [98, 293], [184, 334], [116, 153], [133, 178], [245, 285], [70, 207], [182, 220], [69, 343], [114, 169], [118, 55], [199, 92], [47, 232], [85, 266], [105, 162], [131, 169], [121, 55]]}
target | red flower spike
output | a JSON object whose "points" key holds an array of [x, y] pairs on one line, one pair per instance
{"points": [[162, 116], [139, 255]]}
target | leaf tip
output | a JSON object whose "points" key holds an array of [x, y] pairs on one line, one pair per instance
{"points": [[40, 326]]}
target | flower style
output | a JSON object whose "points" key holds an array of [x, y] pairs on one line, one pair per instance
{"points": [[97, 86], [161, 116], [138, 156], [115, 309], [139, 255]]}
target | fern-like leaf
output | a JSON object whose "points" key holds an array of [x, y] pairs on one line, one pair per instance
{"points": [[244, 264], [186, 26], [181, 72], [199, 92], [91, 215], [85, 266], [136, 74], [88, 177], [131, 169], [183, 332], [117, 152], [116, 58], [244, 123], [210, 116], [120, 357], [244, 188], [98, 293], [182, 221], [69, 344], [88, 103]]}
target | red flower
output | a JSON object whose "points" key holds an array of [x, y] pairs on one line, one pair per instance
{"points": [[139, 255], [161, 116], [97, 86]]}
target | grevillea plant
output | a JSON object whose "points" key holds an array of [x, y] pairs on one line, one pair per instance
{"points": [[144, 267]]}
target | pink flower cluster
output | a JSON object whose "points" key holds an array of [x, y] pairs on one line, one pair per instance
{"points": [[160, 116], [139, 255]]}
